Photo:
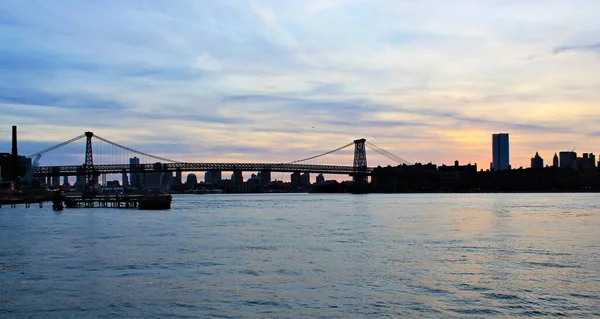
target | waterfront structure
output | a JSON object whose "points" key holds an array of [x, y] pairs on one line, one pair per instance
{"points": [[568, 159], [537, 161], [6, 164], [500, 152], [555, 160]]}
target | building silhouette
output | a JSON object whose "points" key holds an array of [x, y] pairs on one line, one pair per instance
{"points": [[212, 177], [295, 179], [537, 161], [568, 159], [320, 178], [191, 180], [177, 180], [586, 162], [154, 178], [237, 177], [500, 152], [555, 160], [305, 179], [135, 179], [125, 180], [265, 177]]}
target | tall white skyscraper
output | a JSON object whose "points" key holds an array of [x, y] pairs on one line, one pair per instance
{"points": [[500, 152]]}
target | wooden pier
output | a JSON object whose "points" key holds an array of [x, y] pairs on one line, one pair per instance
{"points": [[125, 201], [15, 199], [146, 201]]}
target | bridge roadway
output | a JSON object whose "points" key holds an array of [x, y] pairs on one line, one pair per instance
{"points": [[199, 167]]}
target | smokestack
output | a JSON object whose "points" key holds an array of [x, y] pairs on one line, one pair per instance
{"points": [[15, 151], [15, 158]]}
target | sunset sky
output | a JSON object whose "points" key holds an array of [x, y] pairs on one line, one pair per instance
{"points": [[274, 81]]}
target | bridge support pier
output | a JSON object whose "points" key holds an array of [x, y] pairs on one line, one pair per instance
{"points": [[88, 166], [265, 177], [238, 178], [361, 182]]}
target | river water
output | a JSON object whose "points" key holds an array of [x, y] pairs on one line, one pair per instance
{"points": [[307, 256]]}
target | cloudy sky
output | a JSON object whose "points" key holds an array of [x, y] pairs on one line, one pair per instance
{"points": [[276, 80]]}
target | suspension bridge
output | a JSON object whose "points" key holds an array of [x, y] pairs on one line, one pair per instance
{"points": [[92, 168]]}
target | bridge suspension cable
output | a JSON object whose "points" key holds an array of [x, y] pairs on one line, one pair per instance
{"points": [[57, 146], [136, 151], [387, 154], [323, 154]]}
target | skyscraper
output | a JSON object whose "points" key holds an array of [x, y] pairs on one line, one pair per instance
{"points": [[555, 160], [500, 152]]}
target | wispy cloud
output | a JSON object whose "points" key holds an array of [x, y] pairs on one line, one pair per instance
{"points": [[595, 47]]}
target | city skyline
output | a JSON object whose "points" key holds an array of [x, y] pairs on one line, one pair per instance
{"points": [[429, 83]]}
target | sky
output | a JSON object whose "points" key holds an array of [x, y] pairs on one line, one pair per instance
{"points": [[275, 80]]}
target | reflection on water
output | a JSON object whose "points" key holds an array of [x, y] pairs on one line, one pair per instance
{"points": [[308, 255]]}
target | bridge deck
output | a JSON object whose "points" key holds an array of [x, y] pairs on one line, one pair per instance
{"points": [[198, 167]]}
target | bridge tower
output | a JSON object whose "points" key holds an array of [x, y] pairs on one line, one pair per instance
{"points": [[360, 162], [88, 166]]}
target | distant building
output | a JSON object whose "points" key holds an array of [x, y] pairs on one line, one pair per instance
{"points": [[212, 177], [237, 177], [135, 179], [587, 162], [8, 165], [295, 179], [125, 180], [265, 177], [254, 178], [500, 152], [80, 182], [56, 181], [568, 159], [305, 179], [113, 184], [320, 178], [555, 160], [457, 168], [177, 180], [191, 179], [166, 179], [537, 161], [154, 178]]}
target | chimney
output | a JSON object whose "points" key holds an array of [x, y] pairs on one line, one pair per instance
{"points": [[15, 152]]}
